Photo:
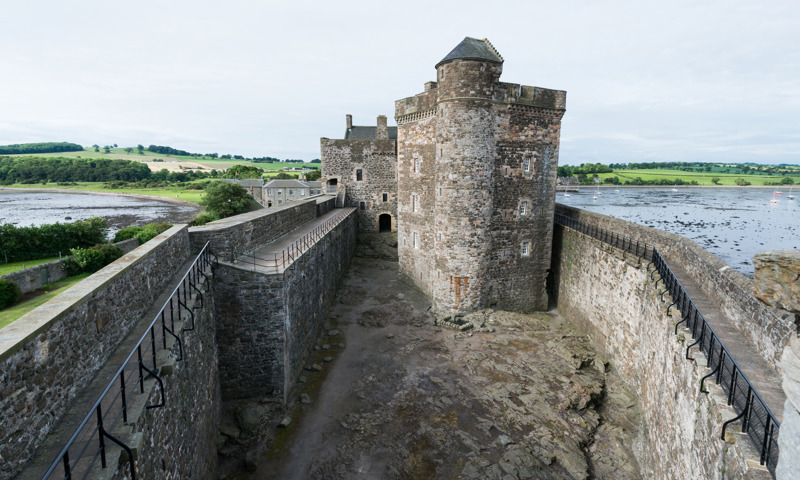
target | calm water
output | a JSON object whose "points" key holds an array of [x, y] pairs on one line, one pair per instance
{"points": [[731, 223], [34, 208]]}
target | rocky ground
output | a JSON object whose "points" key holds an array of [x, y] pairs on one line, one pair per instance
{"points": [[399, 396]]}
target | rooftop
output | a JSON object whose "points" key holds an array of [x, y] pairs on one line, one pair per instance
{"points": [[473, 49], [367, 133]]}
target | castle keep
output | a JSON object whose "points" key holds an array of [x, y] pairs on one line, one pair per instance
{"points": [[472, 186]]}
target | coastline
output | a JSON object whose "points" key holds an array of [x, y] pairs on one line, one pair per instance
{"points": [[175, 201]]}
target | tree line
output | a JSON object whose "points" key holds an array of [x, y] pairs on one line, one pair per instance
{"points": [[38, 169], [19, 243], [45, 147]]}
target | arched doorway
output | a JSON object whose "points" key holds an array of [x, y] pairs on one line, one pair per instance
{"points": [[385, 223], [332, 185]]}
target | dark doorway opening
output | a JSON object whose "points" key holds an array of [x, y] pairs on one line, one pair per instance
{"points": [[385, 223]]}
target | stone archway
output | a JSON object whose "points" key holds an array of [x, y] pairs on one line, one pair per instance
{"points": [[385, 223]]}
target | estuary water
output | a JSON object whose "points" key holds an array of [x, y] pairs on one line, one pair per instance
{"points": [[732, 223], [23, 208]]}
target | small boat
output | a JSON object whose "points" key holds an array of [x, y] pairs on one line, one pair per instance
{"points": [[674, 190], [790, 196], [566, 194], [617, 190]]}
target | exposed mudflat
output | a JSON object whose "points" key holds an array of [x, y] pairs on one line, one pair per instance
{"points": [[401, 398]]}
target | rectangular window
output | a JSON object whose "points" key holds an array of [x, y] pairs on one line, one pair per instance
{"points": [[291, 192], [385, 197], [415, 203], [416, 240], [416, 165], [523, 208], [280, 192], [302, 193], [269, 191], [359, 175], [525, 249], [526, 164], [363, 206]]}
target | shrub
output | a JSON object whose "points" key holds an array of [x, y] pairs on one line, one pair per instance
{"points": [[202, 219], [142, 233], [223, 199], [90, 260], [9, 293]]}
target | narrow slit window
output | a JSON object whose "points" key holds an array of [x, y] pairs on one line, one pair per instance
{"points": [[523, 208], [415, 203], [525, 249], [416, 240], [385, 197], [363, 205], [359, 175], [526, 164]]}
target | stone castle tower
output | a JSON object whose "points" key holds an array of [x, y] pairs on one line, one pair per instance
{"points": [[476, 173]]}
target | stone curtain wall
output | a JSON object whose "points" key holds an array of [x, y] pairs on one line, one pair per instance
{"points": [[250, 230], [377, 160], [267, 324], [767, 328], [32, 278], [179, 440], [612, 297], [50, 353], [250, 313]]}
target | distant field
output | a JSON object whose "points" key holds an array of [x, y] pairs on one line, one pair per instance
{"points": [[171, 162], [726, 179]]}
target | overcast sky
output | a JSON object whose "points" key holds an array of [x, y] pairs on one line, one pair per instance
{"points": [[683, 81]]}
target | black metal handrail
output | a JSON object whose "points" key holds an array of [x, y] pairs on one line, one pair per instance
{"points": [[758, 422], [279, 260], [88, 441]]}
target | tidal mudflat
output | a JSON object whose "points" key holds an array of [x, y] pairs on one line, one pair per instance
{"points": [[732, 223]]}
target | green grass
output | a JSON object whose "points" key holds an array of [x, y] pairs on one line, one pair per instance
{"points": [[704, 178], [16, 266], [8, 315], [180, 193]]}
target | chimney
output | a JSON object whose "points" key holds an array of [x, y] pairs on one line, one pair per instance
{"points": [[382, 133], [349, 121]]}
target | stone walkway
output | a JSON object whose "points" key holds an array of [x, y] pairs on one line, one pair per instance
{"points": [[280, 254], [88, 395], [763, 378]]}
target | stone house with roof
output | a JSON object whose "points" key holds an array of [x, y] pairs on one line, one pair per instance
{"points": [[279, 192]]}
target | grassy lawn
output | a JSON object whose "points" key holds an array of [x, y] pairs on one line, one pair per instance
{"points": [[13, 312], [169, 192], [726, 179], [16, 266]]}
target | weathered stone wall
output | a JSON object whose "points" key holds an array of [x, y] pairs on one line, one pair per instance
{"points": [[32, 278], [416, 149], [377, 160], [54, 350], [253, 229], [267, 324], [613, 298], [179, 440], [776, 283], [526, 163], [766, 328]]}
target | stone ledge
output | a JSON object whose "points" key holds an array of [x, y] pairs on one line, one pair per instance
{"points": [[14, 336]]}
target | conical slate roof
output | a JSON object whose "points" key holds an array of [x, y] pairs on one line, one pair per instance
{"points": [[473, 49]]}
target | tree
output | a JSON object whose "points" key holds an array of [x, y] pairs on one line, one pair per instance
{"points": [[313, 175], [128, 150], [107, 149], [96, 147], [284, 176], [715, 180], [787, 181], [742, 182], [316, 160], [140, 147], [243, 171], [223, 199]]}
